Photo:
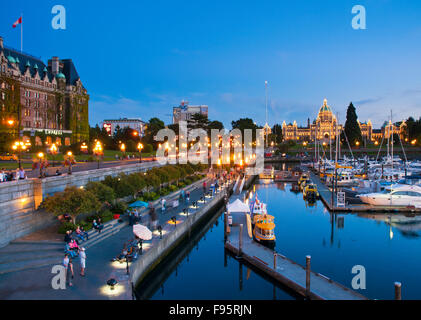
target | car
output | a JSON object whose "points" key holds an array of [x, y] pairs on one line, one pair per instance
{"points": [[8, 157]]}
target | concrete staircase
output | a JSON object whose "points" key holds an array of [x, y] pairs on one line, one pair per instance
{"points": [[110, 228], [24, 255]]}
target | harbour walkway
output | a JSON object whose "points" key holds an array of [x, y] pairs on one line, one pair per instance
{"points": [[281, 268]]}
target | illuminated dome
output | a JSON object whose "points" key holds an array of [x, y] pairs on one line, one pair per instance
{"points": [[325, 107]]}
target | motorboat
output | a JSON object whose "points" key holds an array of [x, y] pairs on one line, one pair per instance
{"points": [[257, 207], [310, 192], [264, 230], [395, 195]]}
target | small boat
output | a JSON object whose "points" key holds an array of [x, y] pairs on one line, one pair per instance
{"points": [[264, 230], [310, 192], [257, 207], [303, 179], [395, 195]]}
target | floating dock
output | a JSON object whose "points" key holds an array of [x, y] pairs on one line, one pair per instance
{"points": [[331, 204], [300, 279]]}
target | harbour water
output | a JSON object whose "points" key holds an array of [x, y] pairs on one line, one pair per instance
{"points": [[387, 246]]}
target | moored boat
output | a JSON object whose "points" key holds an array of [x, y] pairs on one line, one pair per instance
{"points": [[264, 230]]}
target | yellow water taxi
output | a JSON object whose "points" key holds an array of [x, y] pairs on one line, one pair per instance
{"points": [[264, 229], [310, 192], [303, 180]]}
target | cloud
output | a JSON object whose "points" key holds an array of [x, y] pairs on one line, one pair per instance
{"points": [[366, 101]]}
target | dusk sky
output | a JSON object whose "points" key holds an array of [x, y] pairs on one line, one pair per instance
{"points": [[141, 58]]}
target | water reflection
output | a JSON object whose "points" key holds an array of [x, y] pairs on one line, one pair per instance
{"points": [[387, 245]]}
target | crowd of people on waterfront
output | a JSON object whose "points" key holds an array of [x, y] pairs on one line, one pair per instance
{"points": [[73, 250], [12, 175]]}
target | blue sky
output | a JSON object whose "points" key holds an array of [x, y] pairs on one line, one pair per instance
{"points": [[140, 58]]}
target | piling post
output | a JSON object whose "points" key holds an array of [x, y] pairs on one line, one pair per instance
{"points": [[225, 226], [274, 260], [308, 268], [240, 240], [398, 293]]}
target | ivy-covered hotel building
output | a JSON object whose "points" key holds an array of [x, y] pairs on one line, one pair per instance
{"points": [[41, 103]]}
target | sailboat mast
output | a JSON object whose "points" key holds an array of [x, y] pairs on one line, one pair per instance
{"points": [[266, 110], [391, 124]]}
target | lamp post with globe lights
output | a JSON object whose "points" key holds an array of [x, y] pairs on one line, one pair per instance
{"points": [[140, 148], [98, 151]]}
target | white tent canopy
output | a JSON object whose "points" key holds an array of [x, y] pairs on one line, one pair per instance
{"points": [[238, 206]]}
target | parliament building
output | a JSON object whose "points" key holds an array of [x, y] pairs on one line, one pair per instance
{"points": [[326, 125]]}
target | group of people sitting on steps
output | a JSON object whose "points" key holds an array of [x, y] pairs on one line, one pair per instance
{"points": [[74, 238]]}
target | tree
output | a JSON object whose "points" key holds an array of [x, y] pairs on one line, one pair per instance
{"points": [[198, 121], [73, 201], [276, 135], [103, 192], [244, 123], [352, 128], [152, 129]]}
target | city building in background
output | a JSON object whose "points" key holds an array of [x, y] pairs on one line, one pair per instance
{"points": [[184, 112], [326, 124], [135, 124], [43, 103], [325, 127]]}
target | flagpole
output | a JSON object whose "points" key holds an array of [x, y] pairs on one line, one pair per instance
{"points": [[21, 34]]}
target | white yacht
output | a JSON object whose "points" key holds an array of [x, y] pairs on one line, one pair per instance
{"points": [[395, 195]]}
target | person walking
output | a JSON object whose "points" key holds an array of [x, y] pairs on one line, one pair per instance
{"points": [[204, 187], [154, 218], [68, 266], [82, 256], [163, 204]]}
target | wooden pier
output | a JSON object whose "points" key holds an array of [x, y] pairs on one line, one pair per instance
{"points": [[300, 279], [330, 202]]}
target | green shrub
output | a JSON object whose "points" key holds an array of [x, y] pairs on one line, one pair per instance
{"points": [[65, 226], [106, 216], [119, 207], [103, 192], [86, 225]]}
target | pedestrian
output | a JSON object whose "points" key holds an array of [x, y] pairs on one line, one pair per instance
{"points": [[187, 197], [22, 174], [68, 266], [131, 219], [163, 203], [204, 187], [154, 218], [82, 256]]}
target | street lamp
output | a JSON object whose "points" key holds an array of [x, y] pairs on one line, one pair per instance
{"points": [[41, 165], [53, 150], [413, 142], [19, 146], [123, 149], [98, 150], [69, 161], [84, 148], [140, 147]]}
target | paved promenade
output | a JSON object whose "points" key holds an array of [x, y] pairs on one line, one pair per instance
{"points": [[36, 283], [84, 166]]}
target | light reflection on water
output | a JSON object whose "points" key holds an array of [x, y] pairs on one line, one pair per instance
{"points": [[388, 246]]}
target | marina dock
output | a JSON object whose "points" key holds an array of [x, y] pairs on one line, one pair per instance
{"points": [[331, 202], [301, 280]]}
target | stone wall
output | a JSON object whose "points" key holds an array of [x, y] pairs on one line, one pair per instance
{"points": [[155, 254], [19, 200]]}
